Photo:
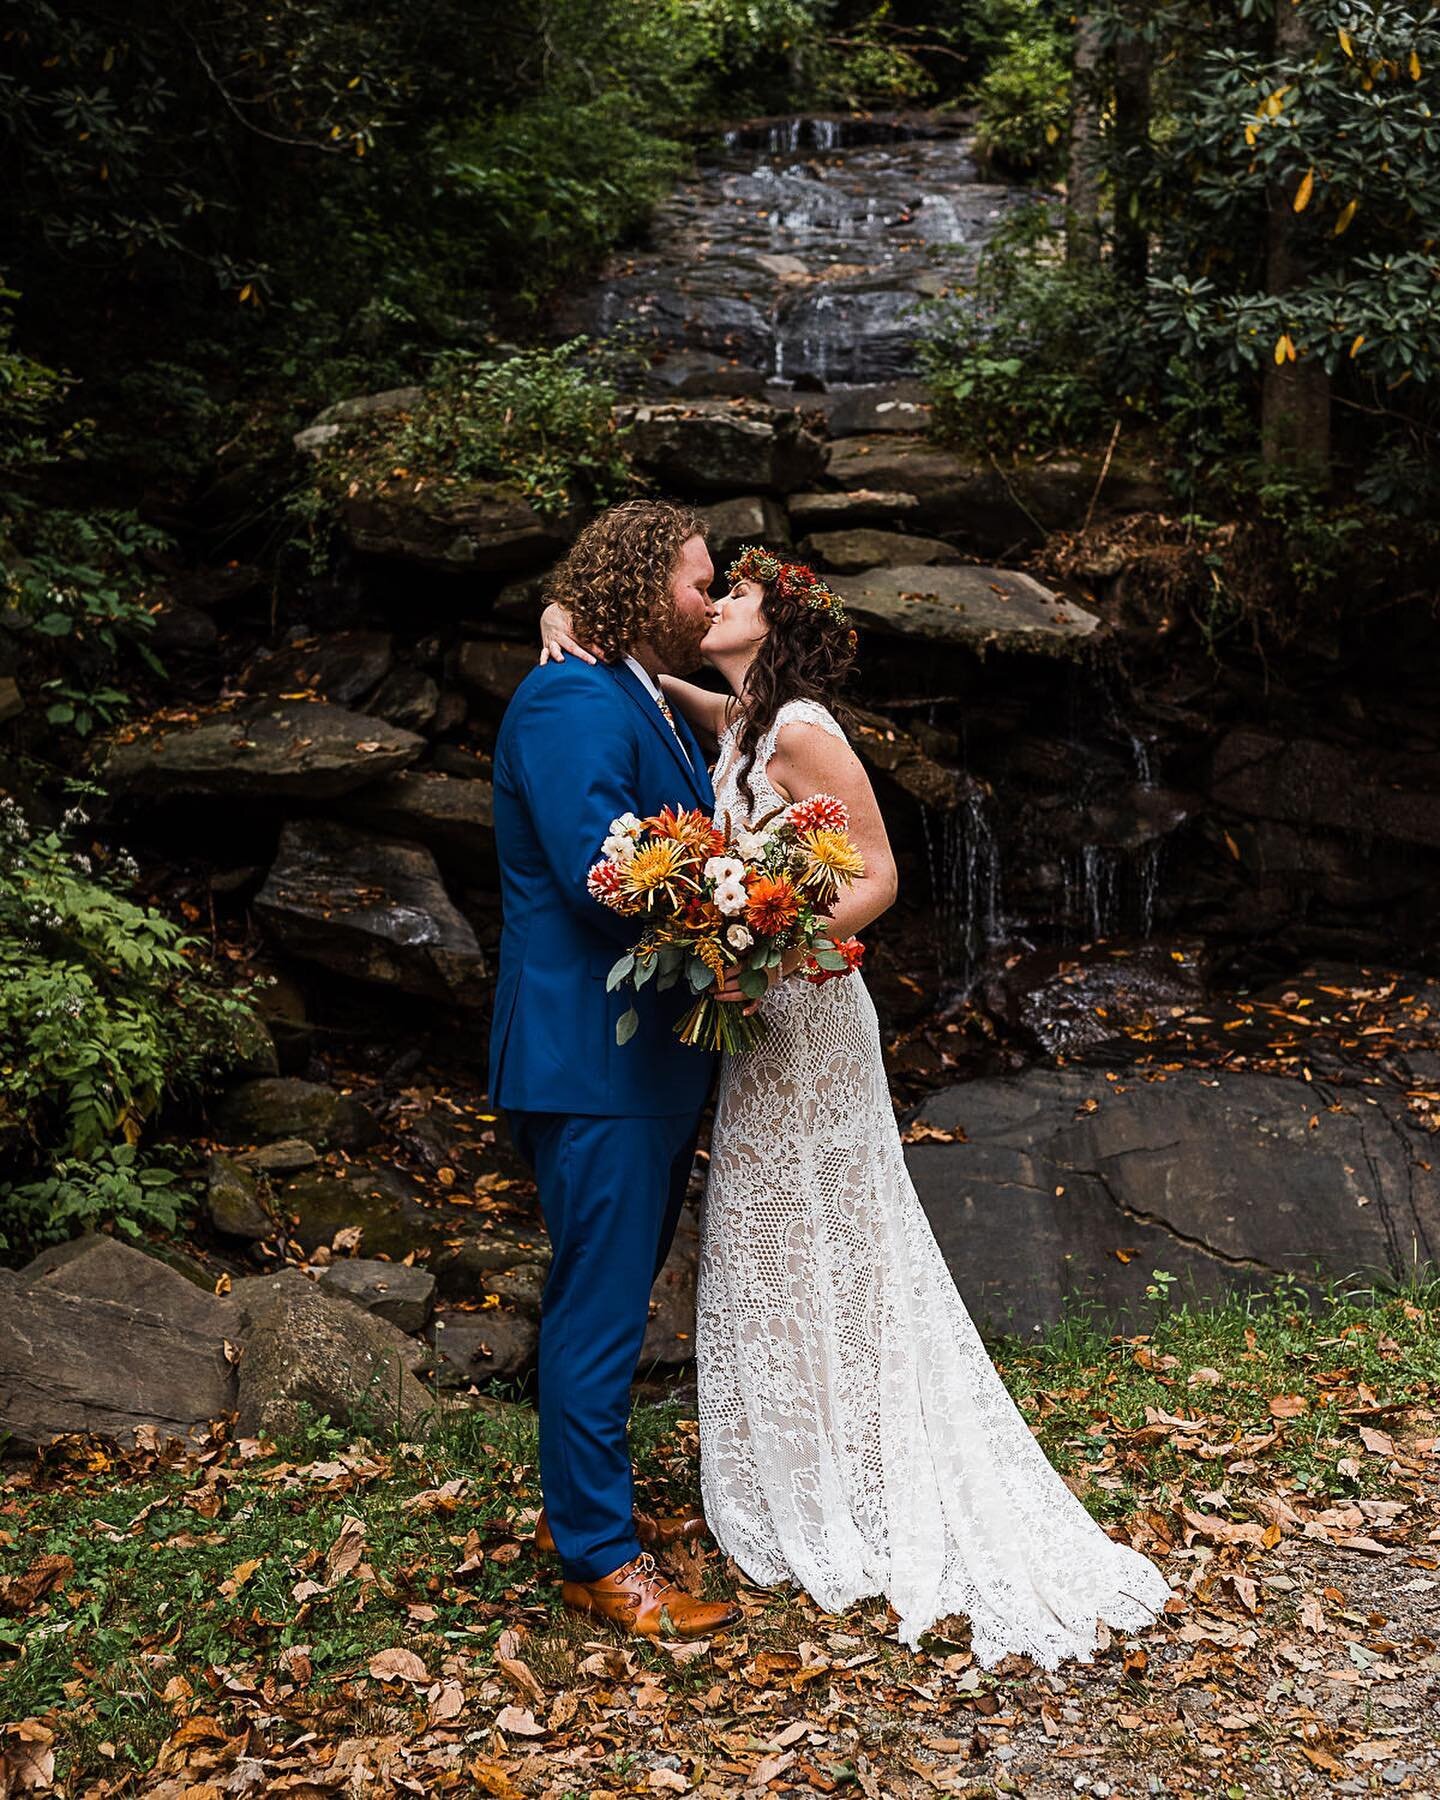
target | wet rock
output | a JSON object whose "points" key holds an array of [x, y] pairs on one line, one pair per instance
{"points": [[1304, 782], [373, 909], [408, 698], [182, 631], [452, 817], [521, 602], [702, 372], [341, 667], [520, 1287], [750, 519], [885, 746], [292, 750], [96, 1267], [383, 405], [233, 1203], [380, 1199], [1068, 1002], [971, 606], [95, 1336], [284, 1157], [860, 506], [992, 508], [493, 668], [215, 589], [494, 1345], [394, 1291], [279, 1107], [900, 407], [465, 1269], [481, 528], [1219, 1178], [848, 552], [309, 1355], [714, 448], [73, 1363]]}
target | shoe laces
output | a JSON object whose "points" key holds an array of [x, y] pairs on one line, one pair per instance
{"points": [[649, 1572]]}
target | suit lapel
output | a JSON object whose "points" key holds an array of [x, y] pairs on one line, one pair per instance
{"points": [[694, 772]]}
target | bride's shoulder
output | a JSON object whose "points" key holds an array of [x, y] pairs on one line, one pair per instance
{"points": [[807, 712]]}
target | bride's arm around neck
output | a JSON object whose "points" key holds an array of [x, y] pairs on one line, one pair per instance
{"points": [[809, 760]]}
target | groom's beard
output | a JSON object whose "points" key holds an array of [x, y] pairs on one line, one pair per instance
{"points": [[675, 638]]}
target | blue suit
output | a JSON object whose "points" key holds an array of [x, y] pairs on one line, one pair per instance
{"points": [[609, 1129]]}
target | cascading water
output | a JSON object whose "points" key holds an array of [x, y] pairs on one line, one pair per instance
{"points": [[802, 248], [963, 856]]}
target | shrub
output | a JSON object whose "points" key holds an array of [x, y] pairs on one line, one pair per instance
{"points": [[553, 185], [1035, 354], [543, 419], [1022, 100], [105, 1008]]}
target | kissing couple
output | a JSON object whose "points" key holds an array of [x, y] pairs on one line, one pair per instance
{"points": [[854, 1435]]}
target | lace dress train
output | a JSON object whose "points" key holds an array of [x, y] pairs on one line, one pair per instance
{"points": [[855, 1436]]}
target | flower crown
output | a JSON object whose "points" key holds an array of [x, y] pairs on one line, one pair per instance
{"points": [[796, 581]]}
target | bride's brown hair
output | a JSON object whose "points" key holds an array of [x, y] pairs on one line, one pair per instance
{"points": [[806, 654]]}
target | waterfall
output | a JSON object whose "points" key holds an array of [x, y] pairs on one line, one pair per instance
{"points": [[963, 858]]}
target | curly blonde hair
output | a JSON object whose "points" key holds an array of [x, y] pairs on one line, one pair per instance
{"points": [[615, 582]]}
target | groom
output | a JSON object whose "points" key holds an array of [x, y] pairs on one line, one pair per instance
{"points": [[608, 1129]]}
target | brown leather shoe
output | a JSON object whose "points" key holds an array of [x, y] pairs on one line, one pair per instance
{"points": [[639, 1599], [654, 1534]]}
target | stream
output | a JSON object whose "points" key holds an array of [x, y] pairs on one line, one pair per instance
{"points": [[803, 251]]}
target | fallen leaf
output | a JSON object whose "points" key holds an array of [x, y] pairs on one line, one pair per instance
{"points": [[397, 1665], [519, 1721]]}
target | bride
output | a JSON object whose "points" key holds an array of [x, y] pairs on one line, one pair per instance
{"points": [[855, 1437]]}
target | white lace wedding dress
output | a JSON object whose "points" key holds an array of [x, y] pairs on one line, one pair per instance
{"points": [[855, 1437]]}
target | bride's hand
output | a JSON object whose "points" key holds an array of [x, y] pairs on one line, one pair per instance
{"points": [[556, 639]]}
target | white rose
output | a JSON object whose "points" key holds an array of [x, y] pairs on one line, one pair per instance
{"points": [[627, 825], [739, 937], [752, 845], [724, 869], [619, 849], [730, 897]]}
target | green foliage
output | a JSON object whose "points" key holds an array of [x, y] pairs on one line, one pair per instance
{"points": [[105, 1007], [118, 1186], [1022, 100], [1033, 355], [542, 419], [550, 186]]}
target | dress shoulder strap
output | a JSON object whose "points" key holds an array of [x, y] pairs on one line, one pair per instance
{"points": [[798, 712]]}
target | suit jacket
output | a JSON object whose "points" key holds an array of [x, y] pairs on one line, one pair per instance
{"points": [[581, 744]]}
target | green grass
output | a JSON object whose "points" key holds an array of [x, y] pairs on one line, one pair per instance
{"points": [[160, 1590]]}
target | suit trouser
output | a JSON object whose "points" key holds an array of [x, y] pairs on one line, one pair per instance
{"points": [[611, 1192]]}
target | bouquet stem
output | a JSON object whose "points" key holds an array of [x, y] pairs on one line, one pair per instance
{"points": [[724, 1025]]}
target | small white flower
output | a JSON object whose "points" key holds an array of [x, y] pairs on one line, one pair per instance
{"points": [[730, 897], [619, 849], [627, 825], [724, 869], [752, 845], [739, 937]]}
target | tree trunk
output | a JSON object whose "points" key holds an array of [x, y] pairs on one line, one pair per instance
{"points": [[1082, 187], [1295, 400], [1132, 157]]}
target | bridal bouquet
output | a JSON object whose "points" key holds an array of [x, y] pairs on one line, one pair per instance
{"points": [[717, 903]]}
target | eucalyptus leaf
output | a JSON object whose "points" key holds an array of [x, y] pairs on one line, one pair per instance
{"points": [[627, 1025]]}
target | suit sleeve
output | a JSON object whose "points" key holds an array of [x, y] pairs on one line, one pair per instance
{"points": [[573, 762]]}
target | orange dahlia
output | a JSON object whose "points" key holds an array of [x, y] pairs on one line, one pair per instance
{"points": [[772, 905], [696, 830]]}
